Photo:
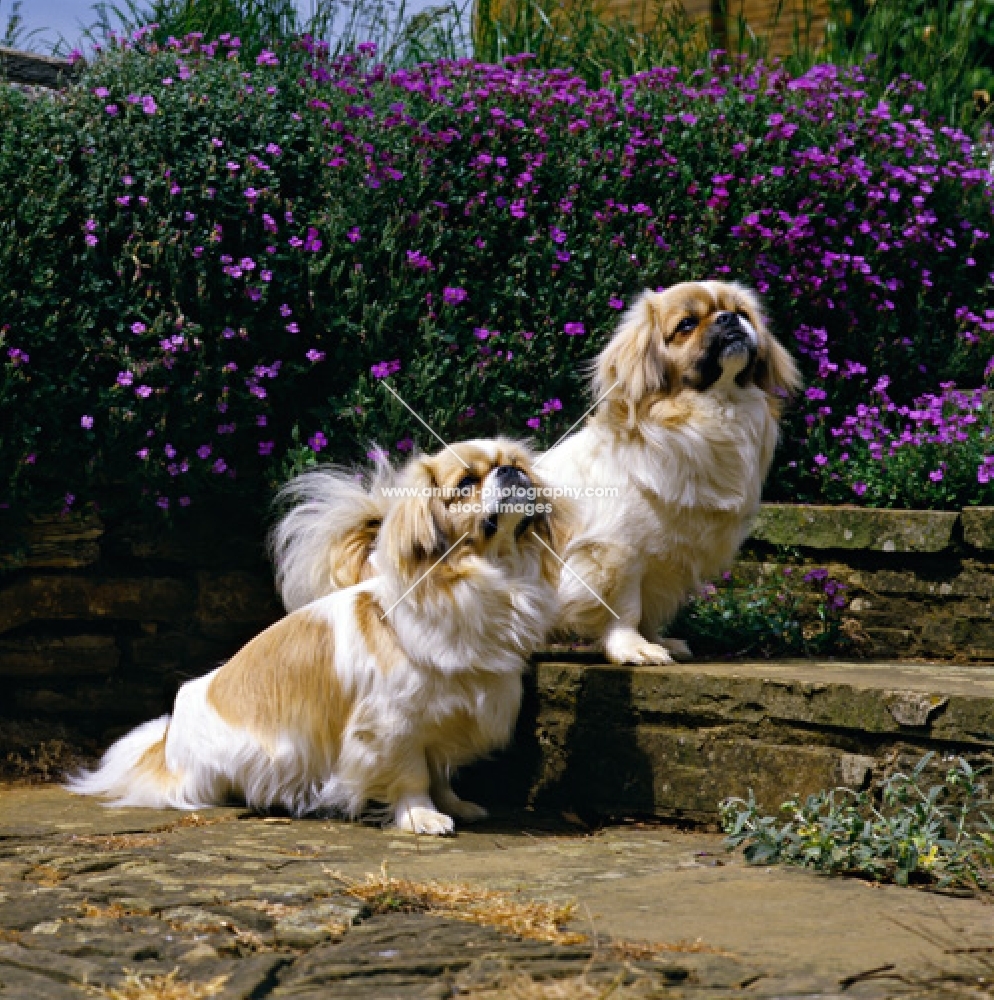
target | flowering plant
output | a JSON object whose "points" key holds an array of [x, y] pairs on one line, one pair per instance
{"points": [[213, 265]]}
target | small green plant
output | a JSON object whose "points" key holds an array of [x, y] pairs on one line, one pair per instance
{"points": [[909, 832], [771, 616]]}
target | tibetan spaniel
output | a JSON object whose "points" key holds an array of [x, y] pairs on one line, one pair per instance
{"points": [[664, 480], [669, 469], [373, 694]]}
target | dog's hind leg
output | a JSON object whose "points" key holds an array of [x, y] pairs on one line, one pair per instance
{"points": [[446, 799]]}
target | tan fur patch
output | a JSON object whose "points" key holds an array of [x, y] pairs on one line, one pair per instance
{"points": [[376, 633], [284, 682], [348, 556]]}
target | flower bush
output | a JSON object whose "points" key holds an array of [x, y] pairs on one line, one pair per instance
{"points": [[213, 266]]}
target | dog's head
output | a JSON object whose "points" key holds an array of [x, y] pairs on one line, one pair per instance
{"points": [[698, 337], [479, 499]]}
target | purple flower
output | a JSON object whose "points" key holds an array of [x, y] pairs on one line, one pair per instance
{"points": [[821, 460], [354, 235], [101, 92], [219, 466], [315, 356], [273, 150], [138, 327], [574, 330], [17, 356], [293, 328], [534, 423], [285, 310], [125, 378], [266, 58], [615, 303], [266, 447], [317, 441], [453, 296], [143, 391], [405, 444], [482, 333], [385, 368], [86, 422], [377, 455], [148, 105], [204, 452], [111, 109], [417, 260]]}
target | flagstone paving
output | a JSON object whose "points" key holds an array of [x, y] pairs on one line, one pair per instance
{"points": [[90, 895]]}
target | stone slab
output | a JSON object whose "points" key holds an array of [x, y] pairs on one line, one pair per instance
{"points": [[69, 542], [64, 596], [830, 527], [978, 527], [673, 741], [68, 656]]}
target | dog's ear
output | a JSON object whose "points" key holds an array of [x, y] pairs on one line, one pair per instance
{"points": [[776, 371], [635, 363], [412, 529]]}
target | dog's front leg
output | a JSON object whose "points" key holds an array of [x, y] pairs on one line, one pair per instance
{"points": [[622, 640], [414, 811]]}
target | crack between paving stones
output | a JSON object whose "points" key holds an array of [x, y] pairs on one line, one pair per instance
{"points": [[271, 980]]}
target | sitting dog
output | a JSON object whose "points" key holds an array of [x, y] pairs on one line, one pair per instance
{"points": [[691, 388], [375, 693]]}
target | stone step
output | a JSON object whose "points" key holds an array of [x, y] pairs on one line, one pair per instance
{"points": [[673, 741]]}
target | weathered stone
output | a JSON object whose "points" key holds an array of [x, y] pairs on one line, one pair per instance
{"points": [[69, 656], [978, 527], [235, 604], [58, 598], [129, 702], [915, 708], [824, 527], [69, 542], [33, 69]]}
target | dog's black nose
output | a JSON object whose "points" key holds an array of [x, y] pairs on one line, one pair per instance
{"points": [[728, 326], [510, 473]]}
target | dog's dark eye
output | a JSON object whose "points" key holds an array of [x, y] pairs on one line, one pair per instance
{"points": [[686, 325], [468, 482]]}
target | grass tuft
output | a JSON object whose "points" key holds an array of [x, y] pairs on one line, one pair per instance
{"points": [[531, 919], [139, 986]]}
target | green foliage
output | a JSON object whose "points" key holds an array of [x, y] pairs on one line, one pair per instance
{"points": [[15, 36], [947, 44], [911, 831], [764, 617]]}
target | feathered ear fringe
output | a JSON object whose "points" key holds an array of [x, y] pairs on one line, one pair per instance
{"points": [[323, 541], [411, 532], [634, 363], [776, 372]]}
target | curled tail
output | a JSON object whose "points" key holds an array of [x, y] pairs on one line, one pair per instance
{"points": [[133, 771], [324, 540]]}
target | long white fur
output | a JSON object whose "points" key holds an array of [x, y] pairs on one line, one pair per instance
{"points": [[453, 697]]}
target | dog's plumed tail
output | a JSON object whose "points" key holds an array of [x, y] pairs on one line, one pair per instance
{"points": [[133, 771], [323, 541]]}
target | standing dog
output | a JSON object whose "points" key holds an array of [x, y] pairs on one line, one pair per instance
{"points": [[375, 693], [690, 390]]}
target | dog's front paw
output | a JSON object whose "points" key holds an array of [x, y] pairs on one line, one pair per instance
{"points": [[422, 819], [630, 647]]}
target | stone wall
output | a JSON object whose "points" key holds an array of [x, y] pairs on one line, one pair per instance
{"points": [[919, 583], [99, 623]]}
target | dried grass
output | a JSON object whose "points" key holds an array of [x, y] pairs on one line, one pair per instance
{"points": [[117, 841], [526, 987], [139, 986], [476, 905], [641, 951], [192, 820], [46, 875], [10, 936], [113, 911]]}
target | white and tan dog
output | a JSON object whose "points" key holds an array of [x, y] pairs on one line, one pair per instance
{"points": [[691, 385], [691, 388], [375, 693]]}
